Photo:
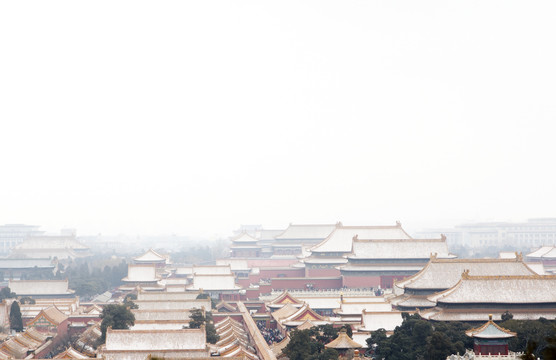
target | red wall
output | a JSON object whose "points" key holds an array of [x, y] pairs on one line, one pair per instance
{"points": [[361, 281], [262, 263], [322, 273], [301, 283]]}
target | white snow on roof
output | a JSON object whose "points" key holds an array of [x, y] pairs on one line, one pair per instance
{"points": [[39, 287], [532, 289], [141, 273], [309, 232], [137, 340], [443, 274], [166, 296], [235, 264], [400, 249], [388, 321], [212, 270], [214, 282], [340, 239]]}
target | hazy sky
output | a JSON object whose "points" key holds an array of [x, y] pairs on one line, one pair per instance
{"points": [[193, 117]]}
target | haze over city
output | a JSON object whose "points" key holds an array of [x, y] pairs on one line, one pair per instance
{"points": [[196, 117]]}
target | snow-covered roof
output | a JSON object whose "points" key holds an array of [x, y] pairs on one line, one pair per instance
{"points": [[357, 308], [214, 282], [173, 304], [151, 256], [534, 289], [40, 287], [166, 296], [244, 238], [137, 340], [340, 239], [387, 320], [306, 232], [543, 251], [490, 330], [141, 273], [400, 249], [212, 270], [235, 264], [445, 273], [161, 315], [343, 341]]}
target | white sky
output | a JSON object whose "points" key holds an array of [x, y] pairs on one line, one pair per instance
{"points": [[193, 117]]}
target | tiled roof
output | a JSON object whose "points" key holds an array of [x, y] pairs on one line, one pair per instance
{"points": [[244, 238], [306, 232], [445, 273], [214, 282], [284, 312], [490, 330], [541, 252], [39, 287], [161, 315], [387, 320], [212, 270], [134, 340], [166, 296], [343, 341], [71, 353], [141, 273], [173, 304], [400, 249], [472, 314], [340, 239], [151, 256], [534, 289]]}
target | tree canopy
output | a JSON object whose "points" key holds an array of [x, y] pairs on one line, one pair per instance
{"points": [[116, 316], [16, 323], [419, 339], [197, 319]]}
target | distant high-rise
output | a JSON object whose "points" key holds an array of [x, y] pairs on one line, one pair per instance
{"points": [[14, 234], [519, 235]]}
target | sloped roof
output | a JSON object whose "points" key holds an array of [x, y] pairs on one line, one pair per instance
{"points": [[151, 256], [306, 232], [304, 313], [161, 315], [284, 312], [166, 296], [400, 249], [244, 238], [358, 308], [224, 305], [445, 273], [214, 282], [340, 239], [307, 324], [52, 314], [387, 320], [141, 273], [173, 304], [212, 270], [138, 340], [71, 353], [540, 252], [284, 298], [235, 264], [39, 287], [490, 330], [343, 341], [534, 289]]}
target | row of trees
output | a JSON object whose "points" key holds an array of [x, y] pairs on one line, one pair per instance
{"points": [[417, 338], [309, 344]]}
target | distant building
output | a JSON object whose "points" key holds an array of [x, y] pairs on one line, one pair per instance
{"points": [[520, 235], [379, 262], [473, 298], [442, 274], [14, 234]]}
